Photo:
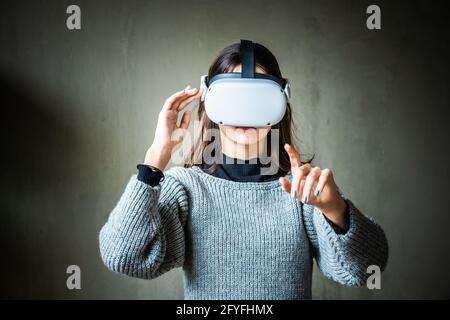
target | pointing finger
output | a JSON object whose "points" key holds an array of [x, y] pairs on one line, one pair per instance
{"points": [[294, 157]]}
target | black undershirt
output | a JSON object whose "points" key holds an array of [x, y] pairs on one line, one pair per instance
{"points": [[242, 170]]}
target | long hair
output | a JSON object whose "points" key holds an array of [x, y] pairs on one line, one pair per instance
{"points": [[225, 62]]}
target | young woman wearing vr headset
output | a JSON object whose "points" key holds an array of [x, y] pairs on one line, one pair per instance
{"points": [[238, 233]]}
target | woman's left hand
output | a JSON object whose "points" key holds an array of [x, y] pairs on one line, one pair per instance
{"points": [[314, 186]]}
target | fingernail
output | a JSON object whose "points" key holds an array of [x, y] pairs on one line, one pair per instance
{"points": [[316, 193], [293, 193], [187, 88], [305, 198]]}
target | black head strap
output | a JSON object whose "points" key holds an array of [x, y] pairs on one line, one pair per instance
{"points": [[248, 58]]}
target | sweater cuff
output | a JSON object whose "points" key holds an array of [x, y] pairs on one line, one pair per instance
{"points": [[148, 175]]}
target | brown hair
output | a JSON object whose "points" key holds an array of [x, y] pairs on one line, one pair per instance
{"points": [[225, 62]]}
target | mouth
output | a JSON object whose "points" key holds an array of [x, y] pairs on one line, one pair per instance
{"points": [[245, 128]]}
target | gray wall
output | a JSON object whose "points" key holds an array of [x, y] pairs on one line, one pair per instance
{"points": [[79, 111]]}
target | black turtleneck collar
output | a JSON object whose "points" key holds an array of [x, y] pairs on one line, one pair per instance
{"points": [[242, 170]]}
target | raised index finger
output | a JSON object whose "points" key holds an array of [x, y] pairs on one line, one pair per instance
{"points": [[294, 156]]}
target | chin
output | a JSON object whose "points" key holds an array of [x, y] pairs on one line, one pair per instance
{"points": [[245, 139]]}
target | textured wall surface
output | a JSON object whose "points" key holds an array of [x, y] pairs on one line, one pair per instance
{"points": [[79, 110]]}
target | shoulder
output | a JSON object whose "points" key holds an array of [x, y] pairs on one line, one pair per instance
{"points": [[179, 173], [188, 177]]}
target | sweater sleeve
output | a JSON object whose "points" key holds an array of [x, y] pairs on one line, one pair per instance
{"points": [[144, 234], [345, 257]]}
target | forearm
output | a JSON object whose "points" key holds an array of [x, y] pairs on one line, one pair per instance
{"points": [[132, 225], [158, 156], [337, 212]]}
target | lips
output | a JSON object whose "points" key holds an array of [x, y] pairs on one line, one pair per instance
{"points": [[245, 128]]}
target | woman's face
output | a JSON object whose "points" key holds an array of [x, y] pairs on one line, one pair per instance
{"points": [[243, 135]]}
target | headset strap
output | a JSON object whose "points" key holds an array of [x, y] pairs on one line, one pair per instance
{"points": [[235, 75], [248, 58]]}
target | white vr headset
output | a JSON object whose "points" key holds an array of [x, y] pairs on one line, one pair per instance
{"points": [[246, 98]]}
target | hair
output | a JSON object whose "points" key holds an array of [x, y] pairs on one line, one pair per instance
{"points": [[225, 62]]}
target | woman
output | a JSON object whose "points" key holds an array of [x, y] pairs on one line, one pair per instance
{"points": [[237, 233]]}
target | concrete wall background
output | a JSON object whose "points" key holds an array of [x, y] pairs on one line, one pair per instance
{"points": [[79, 110]]}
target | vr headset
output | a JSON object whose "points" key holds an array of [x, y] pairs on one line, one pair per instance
{"points": [[245, 99]]}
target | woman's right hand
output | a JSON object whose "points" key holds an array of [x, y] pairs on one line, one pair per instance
{"points": [[159, 153]]}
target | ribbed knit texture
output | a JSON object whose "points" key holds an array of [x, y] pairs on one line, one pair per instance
{"points": [[234, 240]]}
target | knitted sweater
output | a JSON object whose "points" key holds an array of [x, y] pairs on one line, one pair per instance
{"points": [[234, 240]]}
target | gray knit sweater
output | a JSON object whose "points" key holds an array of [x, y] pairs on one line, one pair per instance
{"points": [[234, 240]]}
